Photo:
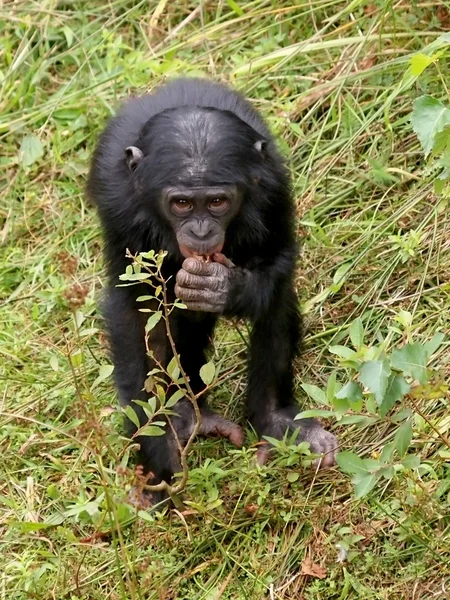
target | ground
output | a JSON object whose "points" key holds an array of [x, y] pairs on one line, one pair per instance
{"points": [[331, 79]]}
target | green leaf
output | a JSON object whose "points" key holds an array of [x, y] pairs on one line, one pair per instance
{"points": [[153, 321], [292, 476], [134, 276], [397, 387], [419, 62], [179, 304], [429, 117], [31, 150], [173, 368], [152, 431], [28, 526], [148, 407], [387, 472], [351, 463], [341, 406], [315, 393], [432, 345], [76, 358], [207, 373], [318, 298], [403, 437], [310, 414], [339, 277], [374, 375], [235, 7], [67, 114], [387, 452], [357, 333], [439, 185], [411, 462], [343, 352], [131, 414], [68, 34], [104, 372], [352, 391], [152, 404], [403, 414], [174, 398], [362, 420], [412, 360], [363, 485], [161, 393], [54, 363], [332, 387]]}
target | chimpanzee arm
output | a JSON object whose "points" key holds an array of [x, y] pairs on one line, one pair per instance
{"points": [[253, 289], [263, 293], [270, 395]]}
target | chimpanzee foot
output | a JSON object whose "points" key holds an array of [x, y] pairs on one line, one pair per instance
{"points": [[281, 420], [215, 425], [183, 423], [212, 424]]}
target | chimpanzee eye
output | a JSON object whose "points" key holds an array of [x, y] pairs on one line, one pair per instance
{"points": [[181, 205], [218, 204]]}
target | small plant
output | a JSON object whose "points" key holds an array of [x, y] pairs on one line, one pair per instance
{"points": [[159, 408], [431, 117], [378, 382], [406, 243]]}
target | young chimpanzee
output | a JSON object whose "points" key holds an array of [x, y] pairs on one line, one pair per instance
{"points": [[193, 169]]}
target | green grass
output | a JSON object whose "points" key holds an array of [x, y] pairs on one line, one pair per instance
{"points": [[329, 77]]}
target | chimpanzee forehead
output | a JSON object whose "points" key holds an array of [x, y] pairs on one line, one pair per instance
{"points": [[198, 146], [197, 131]]}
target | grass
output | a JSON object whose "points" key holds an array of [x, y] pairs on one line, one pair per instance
{"points": [[330, 78]]}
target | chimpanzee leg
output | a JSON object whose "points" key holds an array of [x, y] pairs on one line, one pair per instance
{"points": [[192, 334], [271, 405], [125, 326]]}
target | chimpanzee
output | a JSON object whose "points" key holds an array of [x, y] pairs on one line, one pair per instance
{"points": [[193, 169]]}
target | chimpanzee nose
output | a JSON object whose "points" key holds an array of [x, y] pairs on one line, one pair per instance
{"points": [[201, 229]]}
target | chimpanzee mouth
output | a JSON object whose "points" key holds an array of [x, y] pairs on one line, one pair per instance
{"points": [[203, 253]]}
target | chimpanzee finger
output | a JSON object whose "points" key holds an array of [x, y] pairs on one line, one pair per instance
{"points": [[201, 300], [329, 458], [263, 453], [206, 269], [188, 280], [195, 295], [218, 257], [204, 307], [326, 445]]}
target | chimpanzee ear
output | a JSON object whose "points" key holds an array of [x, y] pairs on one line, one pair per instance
{"points": [[134, 155], [260, 146]]}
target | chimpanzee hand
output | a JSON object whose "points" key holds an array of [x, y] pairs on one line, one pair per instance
{"points": [[203, 285]]}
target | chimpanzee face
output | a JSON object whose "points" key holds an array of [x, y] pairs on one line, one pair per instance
{"points": [[200, 215]]}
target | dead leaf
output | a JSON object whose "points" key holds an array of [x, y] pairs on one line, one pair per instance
{"points": [[251, 509], [310, 568]]}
